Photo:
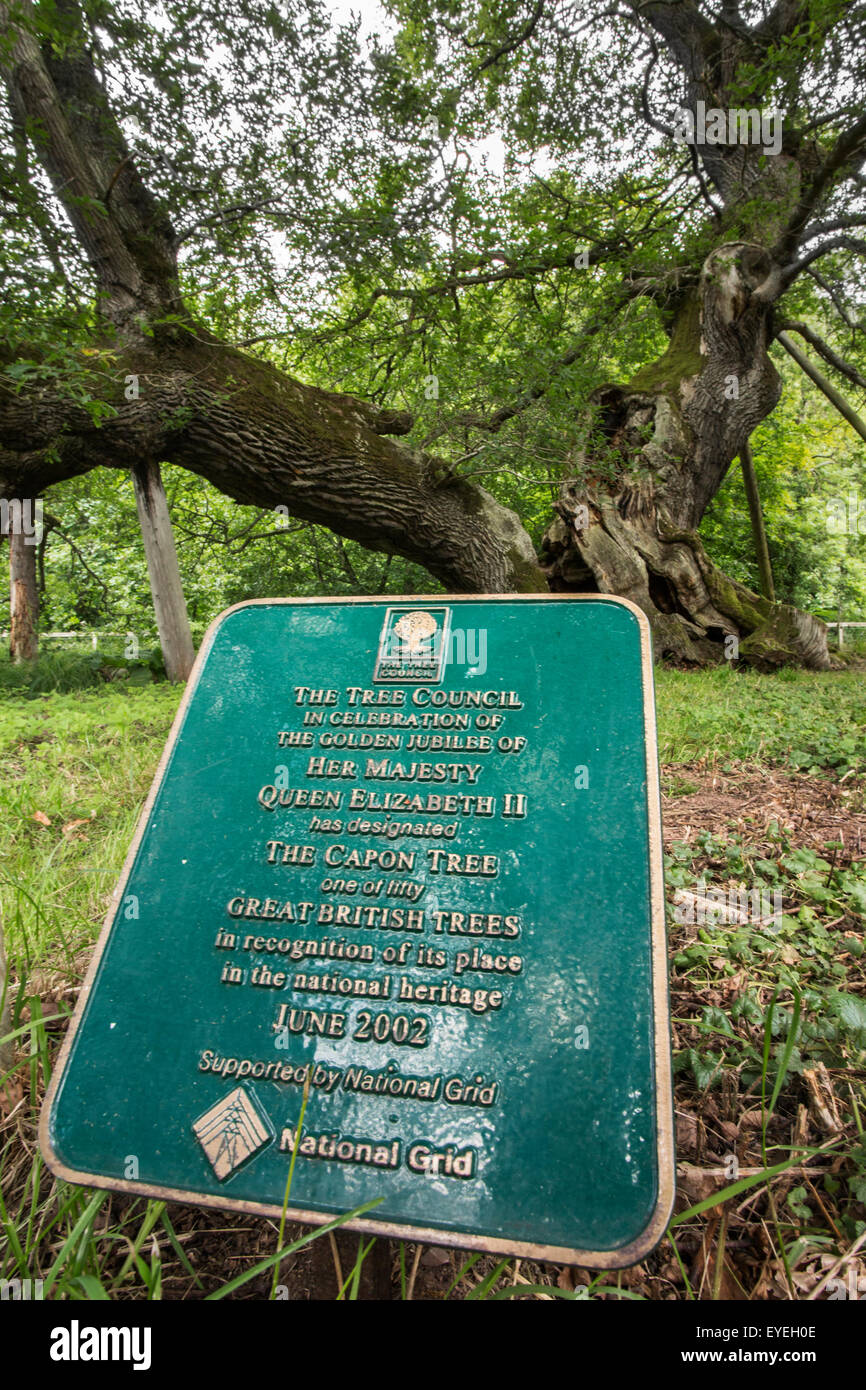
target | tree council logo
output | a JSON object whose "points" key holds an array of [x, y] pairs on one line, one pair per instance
{"points": [[413, 645]]}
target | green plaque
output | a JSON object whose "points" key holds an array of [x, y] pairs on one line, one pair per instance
{"points": [[407, 852]]}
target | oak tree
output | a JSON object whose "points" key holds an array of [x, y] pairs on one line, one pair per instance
{"points": [[195, 198]]}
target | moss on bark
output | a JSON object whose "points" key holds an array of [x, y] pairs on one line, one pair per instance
{"points": [[681, 360]]}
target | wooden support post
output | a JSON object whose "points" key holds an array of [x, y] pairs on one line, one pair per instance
{"points": [[845, 410], [756, 516], [168, 601]]}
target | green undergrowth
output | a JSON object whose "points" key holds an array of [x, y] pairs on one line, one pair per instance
{"points": [[803, 935], [756, 1009], [768, 974], [61, 672], [806, 720]]}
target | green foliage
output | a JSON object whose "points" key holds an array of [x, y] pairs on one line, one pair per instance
{"points": [[798, 953], [96, 575], [61, 672], [397, 215], [787, 982], [811, 471]]}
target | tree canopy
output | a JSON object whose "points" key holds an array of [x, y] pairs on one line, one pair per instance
{"points": [[480, 228]]}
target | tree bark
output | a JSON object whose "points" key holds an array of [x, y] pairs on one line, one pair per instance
{"points": [[165, 583], [23, 595], [268, 440]]}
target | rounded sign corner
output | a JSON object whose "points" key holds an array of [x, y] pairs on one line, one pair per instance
{"points": [[54, 1161]]}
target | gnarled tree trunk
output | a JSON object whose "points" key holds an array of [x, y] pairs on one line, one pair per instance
{"points": [[657, 451]]}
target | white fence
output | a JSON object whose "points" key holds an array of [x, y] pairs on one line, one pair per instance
{"points": [[841, 629], [93, 638]]}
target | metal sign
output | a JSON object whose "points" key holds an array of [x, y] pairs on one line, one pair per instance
{"points": [[407, 854]]}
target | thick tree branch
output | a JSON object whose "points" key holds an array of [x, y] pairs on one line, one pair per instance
{"points": [[783, 19], [833, 224], [844, 159], [268, 440], [687, 33], [126, 239], [840, 243]]}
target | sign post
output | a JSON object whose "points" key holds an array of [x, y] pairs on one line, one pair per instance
{"points": [[407, 851]]}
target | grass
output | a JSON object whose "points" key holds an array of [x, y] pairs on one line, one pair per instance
{"points": [[799, 719], [767, 1025], [74, 770], [84, 761]]}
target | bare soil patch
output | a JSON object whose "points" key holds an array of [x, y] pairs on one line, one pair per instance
{"points": [[749, 801]]}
